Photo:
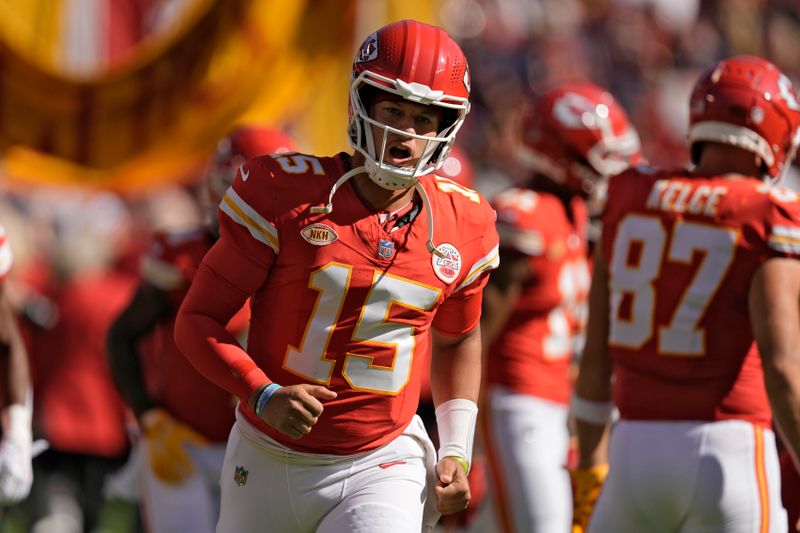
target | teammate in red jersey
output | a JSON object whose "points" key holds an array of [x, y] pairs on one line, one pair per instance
{"points": [[16, 474], [692, 267], [185, 419], [358, 267], [575, 135]]}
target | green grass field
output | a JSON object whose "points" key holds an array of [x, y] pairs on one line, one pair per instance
{"points": [[116, 517]]}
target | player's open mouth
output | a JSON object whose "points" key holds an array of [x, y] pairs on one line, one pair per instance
{"points": [[399, 156]]}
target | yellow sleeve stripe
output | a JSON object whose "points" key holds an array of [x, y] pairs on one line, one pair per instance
{"points": [[785, 245], [785, 239], [781, 238], [160, 274], [487, 262], [261, 230]]}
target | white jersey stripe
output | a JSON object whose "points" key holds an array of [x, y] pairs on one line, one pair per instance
{"points": [[261, 230], [487, 262]]}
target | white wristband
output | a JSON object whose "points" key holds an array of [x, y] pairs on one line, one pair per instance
{"points": [[17, 423], [590, 411], [456, 420]]}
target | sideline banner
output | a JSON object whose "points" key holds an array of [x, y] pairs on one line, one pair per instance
{"points": [[157, 115], [153, 116]]}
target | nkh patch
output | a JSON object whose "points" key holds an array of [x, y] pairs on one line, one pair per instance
{"points": [[240, 475], [447, 263], [385, 248], [319, 234]]}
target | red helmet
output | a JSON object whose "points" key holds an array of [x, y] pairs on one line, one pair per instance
{"points": [[419, 63], [247, 142], [458, 168], [745, 101], [241, 144], [577, 134]]}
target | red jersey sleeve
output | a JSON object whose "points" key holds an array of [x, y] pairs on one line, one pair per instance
{"points": [[461, 312], [247, 213], [233, 269], [223, 282], [783, 223]]}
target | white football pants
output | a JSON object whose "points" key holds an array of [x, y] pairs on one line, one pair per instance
{"points": [[268, 487], [691, 477], [529, 442]]}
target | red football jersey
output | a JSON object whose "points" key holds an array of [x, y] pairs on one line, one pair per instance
{"points": [[681, 251], [348, 303], [76, 406], [170, 264], [533, 352]]}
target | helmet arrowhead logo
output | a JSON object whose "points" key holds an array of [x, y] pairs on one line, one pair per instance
{"points": [[368, 50]]}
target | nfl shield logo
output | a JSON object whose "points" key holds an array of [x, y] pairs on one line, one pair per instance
{"points": [[240, 475], [385, 249]]}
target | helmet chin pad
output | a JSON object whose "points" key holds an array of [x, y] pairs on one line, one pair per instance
{"points": [[389, 176]]}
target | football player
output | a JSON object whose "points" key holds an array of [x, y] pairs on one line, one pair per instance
{"points": [[694, 311], [358, 266], [185, 419], [574, 136], [16, 474]]}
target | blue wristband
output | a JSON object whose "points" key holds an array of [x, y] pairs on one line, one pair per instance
{"points": [[264, 397]]}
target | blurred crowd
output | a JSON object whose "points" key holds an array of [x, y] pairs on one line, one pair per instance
{"points": [[76, 251], [646, 52]]}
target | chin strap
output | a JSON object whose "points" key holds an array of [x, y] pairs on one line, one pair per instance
{"points": [[426, 203], [327, 208]]}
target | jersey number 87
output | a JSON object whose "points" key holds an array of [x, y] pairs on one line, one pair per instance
{"points": [[632, 277]]}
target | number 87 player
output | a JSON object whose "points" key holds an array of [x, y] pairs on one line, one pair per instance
{"points": [[694, 308]]}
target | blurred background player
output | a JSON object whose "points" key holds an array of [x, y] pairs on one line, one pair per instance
{"points": [[692, 267], [16, 471], [574, 136], [185, 419], [358, 268], [81, 278]]}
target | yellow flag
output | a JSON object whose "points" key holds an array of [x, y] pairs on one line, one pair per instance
{"points": [[155, 119], [151, 120]]}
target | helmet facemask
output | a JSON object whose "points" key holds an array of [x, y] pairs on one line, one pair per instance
{"points": [[614, 153], [436, 148]]}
